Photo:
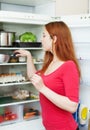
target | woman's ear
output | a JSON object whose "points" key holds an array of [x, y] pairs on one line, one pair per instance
{"points": [[54, 39]]}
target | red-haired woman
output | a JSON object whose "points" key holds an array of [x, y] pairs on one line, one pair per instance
{"points": [[58, 80]]}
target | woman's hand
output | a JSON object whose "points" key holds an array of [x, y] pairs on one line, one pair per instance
{"points": [[30, 65], [37, 82], [22, 52]]}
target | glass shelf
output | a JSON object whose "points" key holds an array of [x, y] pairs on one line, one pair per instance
{"points": [[17, 83], [16, 48], [7, 64], [8, 101]]}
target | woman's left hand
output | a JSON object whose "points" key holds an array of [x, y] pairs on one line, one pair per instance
{"points": [[37, 82]]}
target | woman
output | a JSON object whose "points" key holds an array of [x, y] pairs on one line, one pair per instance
{"points": [[58, 80]]}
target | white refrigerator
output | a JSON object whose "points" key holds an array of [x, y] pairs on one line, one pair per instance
{"points": [[20, 18]]}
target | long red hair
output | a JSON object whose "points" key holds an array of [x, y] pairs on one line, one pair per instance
{"points": [[64, 47]]}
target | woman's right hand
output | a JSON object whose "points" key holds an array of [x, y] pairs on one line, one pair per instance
{"points": [[30, 65], [22, 52]]}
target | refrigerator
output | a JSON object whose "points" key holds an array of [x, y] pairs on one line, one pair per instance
{"points": [[19, 18], [80, 30]]}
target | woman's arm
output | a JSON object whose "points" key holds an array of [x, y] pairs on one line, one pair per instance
{"points": [[62, 102], [30, 65]]}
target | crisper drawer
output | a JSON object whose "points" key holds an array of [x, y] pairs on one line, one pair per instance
{"points": [[10, 114], [20, 112], [31, 111]]}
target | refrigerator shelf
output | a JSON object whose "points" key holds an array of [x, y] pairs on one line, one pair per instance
{"points": [[9, 101], [13, 84], [15, 48], [23, 63]]}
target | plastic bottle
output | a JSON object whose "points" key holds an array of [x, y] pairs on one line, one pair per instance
{"points": [[89, 121]]}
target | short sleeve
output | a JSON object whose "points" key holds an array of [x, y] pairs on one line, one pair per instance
{"points": [[71, 81]]}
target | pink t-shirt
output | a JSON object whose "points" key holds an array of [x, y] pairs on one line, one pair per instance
{"points": [[64, 81]]}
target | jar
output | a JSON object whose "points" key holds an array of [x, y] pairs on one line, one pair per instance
{"points": [[13, 59], [7, 38], [22, 59]]}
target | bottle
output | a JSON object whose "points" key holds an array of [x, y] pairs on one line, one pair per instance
{"points": [[13, 59], [83, 114], [22, 59], [89, 121]]}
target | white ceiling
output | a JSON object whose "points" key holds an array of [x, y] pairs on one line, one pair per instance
{"points": [[27, 2]]}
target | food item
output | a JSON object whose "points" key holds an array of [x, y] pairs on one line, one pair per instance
{"points": [[13, 59], [21, 94], [1, 119], [11, 116], [12, 77], [30, 112], [6, 118], [27, 37], [27, 117], [22, 59], [4, 58], [33, 96]]}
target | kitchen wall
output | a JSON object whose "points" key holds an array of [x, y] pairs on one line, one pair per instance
{"points": [[66, 7]]}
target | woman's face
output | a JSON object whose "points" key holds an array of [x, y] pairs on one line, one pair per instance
{"points": [[46, 41]]}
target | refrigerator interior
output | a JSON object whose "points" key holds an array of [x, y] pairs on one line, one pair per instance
{"points": [[20, 26], [18, 107], [80, 29]]}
